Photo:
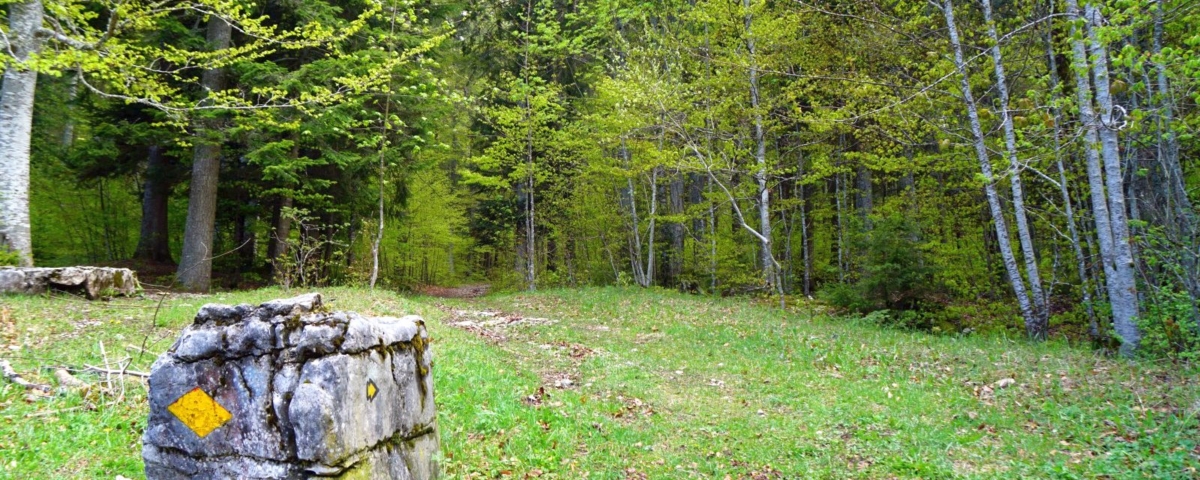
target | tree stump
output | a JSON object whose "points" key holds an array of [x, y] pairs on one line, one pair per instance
{"points": [[92, 282], [285, 390]]}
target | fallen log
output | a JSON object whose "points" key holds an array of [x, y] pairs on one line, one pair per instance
{"points": [[16, 378], [92, 282], [67, 380]]}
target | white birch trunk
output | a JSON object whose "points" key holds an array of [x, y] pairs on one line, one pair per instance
{"points": [[648, 276], [1122, 284], [1076, 246], [766, 257], [1041, 315], [985, 165], [16, 126]]}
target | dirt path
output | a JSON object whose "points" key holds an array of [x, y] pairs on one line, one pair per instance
{"points": [[465, 291]]}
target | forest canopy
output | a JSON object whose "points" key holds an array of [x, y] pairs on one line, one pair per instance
{"points": [[952, 166]]}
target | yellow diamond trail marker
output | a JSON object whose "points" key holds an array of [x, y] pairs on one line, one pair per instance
{"points": [[199, 412], [371, 390]]}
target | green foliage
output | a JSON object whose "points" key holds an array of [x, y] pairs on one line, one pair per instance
{"points": [[9, 258], [895, 273], [895, 279], [1169, 324], [305, 263]]}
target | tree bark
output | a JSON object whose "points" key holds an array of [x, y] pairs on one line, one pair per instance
{"points": [[1041, 314], [985, 165], [864, 200], [675, 229], [154, 240], [1168, 142], [16, 126], [765, 257], [281, 230], [195, 263], [1122, 284], [805, 219], [1068, 207]]}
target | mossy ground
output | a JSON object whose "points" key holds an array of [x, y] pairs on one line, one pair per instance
{"points": [[659, 385]]}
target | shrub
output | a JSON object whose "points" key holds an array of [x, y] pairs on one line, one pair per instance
{"points": [[845, 296], [9, 258], [894, 278], [1168, 324]]}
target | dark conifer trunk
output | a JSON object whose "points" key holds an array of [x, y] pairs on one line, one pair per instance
{"points": [[154, 240], [195, 263]]}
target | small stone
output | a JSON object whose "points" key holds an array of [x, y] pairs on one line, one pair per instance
{"points": [[1005, 383]]}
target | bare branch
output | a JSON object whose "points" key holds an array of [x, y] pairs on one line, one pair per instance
{"points": [[61, 37]]}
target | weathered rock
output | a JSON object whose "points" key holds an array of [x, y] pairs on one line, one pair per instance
{"points": [[284, 390], [94, 282]]}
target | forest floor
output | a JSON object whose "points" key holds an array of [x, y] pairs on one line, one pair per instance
{"points": [[633, 384]]}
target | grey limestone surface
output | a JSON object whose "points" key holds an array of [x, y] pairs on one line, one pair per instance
{"points": [[308, 393], [93, 282]]}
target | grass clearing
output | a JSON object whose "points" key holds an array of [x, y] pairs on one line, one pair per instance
{"points": [[628, 383]]}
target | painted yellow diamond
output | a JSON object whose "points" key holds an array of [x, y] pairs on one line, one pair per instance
{"points": [[371, 389], [199, 412]]}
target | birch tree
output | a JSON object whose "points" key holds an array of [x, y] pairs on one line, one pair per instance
{"points": [[989, 183], [1116, 254], [1041, 315]]}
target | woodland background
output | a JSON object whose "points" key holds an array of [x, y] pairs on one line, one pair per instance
{"points": [[950, 166]]}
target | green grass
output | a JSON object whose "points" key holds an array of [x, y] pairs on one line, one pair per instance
{"points": [[667, 386]]}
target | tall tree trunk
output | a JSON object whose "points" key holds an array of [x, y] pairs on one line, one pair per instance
{"points": [[805, 236], [195, 263], [712, 240], [377, 243], [864, 199], [1041, 314], [1072, 228], [16, 126], [765, 257], [985, 165], [281, 229], [840, 227], [530, 233], [1118, 298], [68, 131], [675, 229], [154, 240], [629, 201], [1122, 284], [1168, 142], [650, 231]]}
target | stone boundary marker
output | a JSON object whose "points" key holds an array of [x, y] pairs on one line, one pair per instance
{"points": [[288, 390], [94, 282]]}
